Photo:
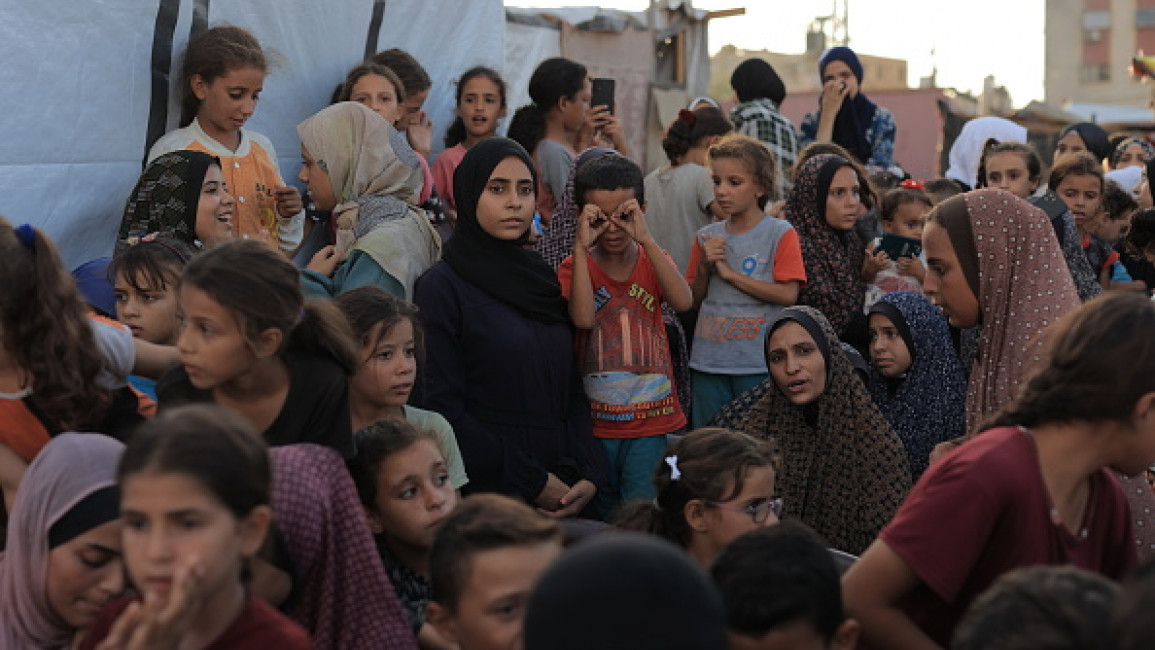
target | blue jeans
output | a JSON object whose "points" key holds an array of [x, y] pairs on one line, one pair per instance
{"points": [[711, 392], [633, 462]]}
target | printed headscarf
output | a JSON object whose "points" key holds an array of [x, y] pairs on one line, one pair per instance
{"points": [[856, 113], [341, 593], [1023, 286], [1127, 143], [556, 242], [844, 471], [505, 270], [833, 258], [377, 180], [926, 405], [165, 199], [70, 468]]}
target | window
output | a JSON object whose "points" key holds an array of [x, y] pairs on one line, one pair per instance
{"points": [[1094, 72], [1144, 17]]}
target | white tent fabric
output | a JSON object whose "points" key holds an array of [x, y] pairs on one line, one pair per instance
{"points": [[525, 46], [78, 75]]}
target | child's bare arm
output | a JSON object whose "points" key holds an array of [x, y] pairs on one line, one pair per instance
{"points": [[675, 291], [872, 589], [581, 300], [706, 250]]}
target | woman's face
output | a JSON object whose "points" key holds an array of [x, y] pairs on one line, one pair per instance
{"points": [[505, 208], [842, 199], [1069, 144], [796, 363], [1133, 156], [85, 574], [379, 95], [316, 177], [727, 521], [888, 350], [945, 283], [842, 72], [214, 223]]}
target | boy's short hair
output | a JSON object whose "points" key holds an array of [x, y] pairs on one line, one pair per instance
{"points": [[776, 576], [483, 522], [609, 172], [1054, 607], [941, 189], [1117, 202]]}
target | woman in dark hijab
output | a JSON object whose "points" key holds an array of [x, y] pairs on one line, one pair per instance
{"points": [[500, 346], [1084, 136], [846, 117]]}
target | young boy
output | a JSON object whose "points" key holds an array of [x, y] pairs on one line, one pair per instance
{"points": [[616, 281], [486, 558], [780, 587]]}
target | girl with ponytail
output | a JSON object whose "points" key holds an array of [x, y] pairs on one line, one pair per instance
{"points": [[249, 341], [1032, 489]]}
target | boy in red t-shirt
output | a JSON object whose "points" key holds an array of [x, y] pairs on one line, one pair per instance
{"points": [[615, 290]]}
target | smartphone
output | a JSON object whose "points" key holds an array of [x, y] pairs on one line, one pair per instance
{"points": [[896, 246], [602, 93]]}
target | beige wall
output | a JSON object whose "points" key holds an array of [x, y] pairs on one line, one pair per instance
{"points": [[1064, 56]]}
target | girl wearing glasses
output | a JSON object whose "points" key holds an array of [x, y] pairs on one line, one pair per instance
{"points": [[713, 486]]}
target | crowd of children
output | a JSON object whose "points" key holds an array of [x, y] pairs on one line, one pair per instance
{"points": [[771, 400]]}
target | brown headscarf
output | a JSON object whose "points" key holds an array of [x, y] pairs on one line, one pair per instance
{"points": [[1009, 253], [844, 470]]}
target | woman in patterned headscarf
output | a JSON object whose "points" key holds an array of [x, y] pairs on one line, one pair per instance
{"points": [[833, 255], [921, 393], [993, 260], [180, 196], [361, 168], [844, 471]]}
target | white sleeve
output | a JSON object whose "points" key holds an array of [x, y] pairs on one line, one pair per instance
{"points": [[118, 352]]}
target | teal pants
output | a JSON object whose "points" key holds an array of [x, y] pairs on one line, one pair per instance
{"points": [[712, 392]]}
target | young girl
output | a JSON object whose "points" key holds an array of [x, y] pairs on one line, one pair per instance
{"points": [[916, 378], [181, 195], [844, 471], [362, 170], [742, 272], [403, 482], [829, 193], [377, 87], [414, 123], [146, 275], [1017, 168], [194, 494], [62, 560], [222, 76], [392, 343], [713, 485], [480, 105], [557, 125], [60, 370], [1032, 490], [680, 196], [903, 213], [249, 341], [1078, 180]]}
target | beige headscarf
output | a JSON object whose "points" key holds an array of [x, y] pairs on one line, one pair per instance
{"points": [[377, 179]]}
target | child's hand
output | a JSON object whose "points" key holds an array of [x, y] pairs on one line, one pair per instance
{"points": [[420, 132], [911, 266], [873, 263], [575, 500], [833, 92], [714, 248], [776, 208], [155, 625], [288, 200], [630, 218], [590, 225], [324, 261], [611, 134]]}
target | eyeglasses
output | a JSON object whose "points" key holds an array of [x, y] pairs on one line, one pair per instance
{"points": [[759, 512]]}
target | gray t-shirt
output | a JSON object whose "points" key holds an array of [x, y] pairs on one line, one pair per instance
{"points": [[728, 338], [677, 206], [554, 163]]}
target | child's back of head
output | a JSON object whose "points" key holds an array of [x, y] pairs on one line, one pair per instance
{"points": [[941, 189], [779, 578], [1052, 607], [1134, 627], [609, 172], [692, 129]]}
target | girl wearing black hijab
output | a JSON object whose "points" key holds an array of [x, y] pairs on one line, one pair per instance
{"points": [[500, 361], [1085, 137], [846, 117], [760, 94]]}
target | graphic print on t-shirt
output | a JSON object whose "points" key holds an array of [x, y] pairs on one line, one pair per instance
{"points": [[626, 362]]}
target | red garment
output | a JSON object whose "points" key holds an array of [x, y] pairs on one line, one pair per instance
{"points": [[624, 359], [258, 626], [983, 511]]}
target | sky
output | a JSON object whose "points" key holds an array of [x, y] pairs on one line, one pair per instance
{"points": [[971, 38]]}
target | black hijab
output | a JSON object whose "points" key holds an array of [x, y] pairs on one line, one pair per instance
{"points": [[505, 270], [856, 114], [755, 78], [1093, 137]]}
